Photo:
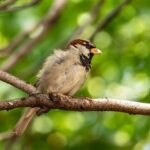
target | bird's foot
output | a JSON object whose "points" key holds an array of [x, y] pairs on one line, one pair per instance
{"points": [[55, 97], [42, 110]]}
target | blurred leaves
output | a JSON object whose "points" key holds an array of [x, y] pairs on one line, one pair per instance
{"points": [[122, 71]]}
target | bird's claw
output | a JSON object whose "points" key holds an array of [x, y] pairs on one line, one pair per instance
{"points": [[42, 110]]}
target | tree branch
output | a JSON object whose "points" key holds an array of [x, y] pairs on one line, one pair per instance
{"points": [[6, 77], [59, 101]]}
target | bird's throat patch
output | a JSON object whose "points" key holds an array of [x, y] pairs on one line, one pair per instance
{"points": [[85, 61]]}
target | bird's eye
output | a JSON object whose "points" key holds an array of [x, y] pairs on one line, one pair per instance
{"points": [[89, 46]]}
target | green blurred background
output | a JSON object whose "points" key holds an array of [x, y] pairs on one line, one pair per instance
{"points": [[122, 71]]}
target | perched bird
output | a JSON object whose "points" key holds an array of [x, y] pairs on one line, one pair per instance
{"points": [[63, 72], [66, 70]]}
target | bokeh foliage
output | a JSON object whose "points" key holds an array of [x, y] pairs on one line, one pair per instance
{"points": [[122, 71]]}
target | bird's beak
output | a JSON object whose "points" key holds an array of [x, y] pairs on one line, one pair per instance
{"points": [[95, 51]]}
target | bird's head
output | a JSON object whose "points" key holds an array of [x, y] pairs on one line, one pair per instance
{"points": [[85, 47]]}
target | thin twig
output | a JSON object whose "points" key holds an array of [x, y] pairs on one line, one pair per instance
{"points": [[5, 135], [9, 8], [109, 18], [6, 4]]}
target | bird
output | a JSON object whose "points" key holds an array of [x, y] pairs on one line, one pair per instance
{"points": [[66, 70], [63, 72]]}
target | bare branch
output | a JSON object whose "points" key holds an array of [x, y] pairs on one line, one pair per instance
{"points": [[45, 26], [6, 4], [17, 82], [59, 101], [109, 18], [5, 135], [9, 8]]}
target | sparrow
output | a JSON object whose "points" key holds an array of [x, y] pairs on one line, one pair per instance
{"points": [[66, 70]]}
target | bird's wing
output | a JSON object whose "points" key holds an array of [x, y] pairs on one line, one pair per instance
{"points": [[63, 76]]}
